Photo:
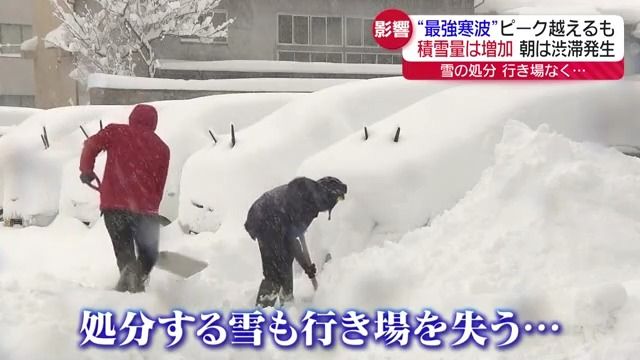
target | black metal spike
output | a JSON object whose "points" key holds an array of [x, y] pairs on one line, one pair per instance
{"points": [[101, 127], [46, 136], [215, 141], [84, 132], [44, 142], [233, 135], [366, 134], [397, 137]]}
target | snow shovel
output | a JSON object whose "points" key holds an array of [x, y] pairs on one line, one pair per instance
{"points": [[178, 264]]}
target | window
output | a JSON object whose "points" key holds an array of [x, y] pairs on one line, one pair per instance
{"points": [[17, 100], [285, 29], [367, 33], [334, 31], [12, 36], [354, 32], [218, 17], [309, 30], [318, 31]]}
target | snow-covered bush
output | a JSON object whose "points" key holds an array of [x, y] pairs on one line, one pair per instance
{"points": [[114, 36]]}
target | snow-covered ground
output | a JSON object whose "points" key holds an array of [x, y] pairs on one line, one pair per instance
{"points": [[550, 230], [495, 196]]}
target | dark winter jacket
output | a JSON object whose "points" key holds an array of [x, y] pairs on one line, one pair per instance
{"points": [[137, 163]]}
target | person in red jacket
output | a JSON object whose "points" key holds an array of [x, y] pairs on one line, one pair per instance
{"points": [[131, 190]]}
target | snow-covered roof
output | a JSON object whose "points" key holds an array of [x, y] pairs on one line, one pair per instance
{"points": [[262, 85], [57, 38], [29, 45], [279, 66]]}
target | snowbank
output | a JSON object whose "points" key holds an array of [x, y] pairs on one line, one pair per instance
{"points": [[550, 231], [32, 174], [444, 147], [240, 85], [268, 66], [184, 126], [10, 116], [219, 183]]}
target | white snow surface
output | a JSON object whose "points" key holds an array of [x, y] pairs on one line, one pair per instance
{"points": [[31, 173], [29, 44], [10, 115], [239, 85], [550, 230], [279, 66], [219, 182], [184, 126], [444, 147]]}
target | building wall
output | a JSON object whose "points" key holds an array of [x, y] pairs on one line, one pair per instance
{"points": [[254, 34], [16, 73], [51, 66]]}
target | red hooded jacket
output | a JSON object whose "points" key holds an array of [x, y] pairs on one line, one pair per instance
{"points": [[137, 163]]}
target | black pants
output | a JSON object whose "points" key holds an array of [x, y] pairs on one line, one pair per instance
{"points": [[277, 268], [129, 231]]}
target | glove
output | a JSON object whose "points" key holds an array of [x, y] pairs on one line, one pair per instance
{"points": [[311, 271], [87, 178]]}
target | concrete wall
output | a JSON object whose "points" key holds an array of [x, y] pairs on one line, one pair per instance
{"points": [[52, 66], [16, 12], [16, 76]]}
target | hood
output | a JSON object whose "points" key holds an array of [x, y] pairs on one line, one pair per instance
{"points": [[144, 116]]}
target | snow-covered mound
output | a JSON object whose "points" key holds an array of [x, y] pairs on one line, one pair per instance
{"points": [[10, 116], [443, 148], [32, 173], [550, 231], [184, 126], [219, 182]]}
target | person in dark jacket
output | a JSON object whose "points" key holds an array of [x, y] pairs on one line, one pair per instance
{"points": [[278, 221], [131, 191]]}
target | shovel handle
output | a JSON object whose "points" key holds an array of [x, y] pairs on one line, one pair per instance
{"points": [[96, 188]]}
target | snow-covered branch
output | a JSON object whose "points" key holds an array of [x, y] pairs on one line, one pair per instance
{"points": [[119, 35]]}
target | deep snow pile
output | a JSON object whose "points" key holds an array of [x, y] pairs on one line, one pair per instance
{"points": [[10, 116], [219, 182], [32, 173], [184, 125], [551, 230], [443, 148]]}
